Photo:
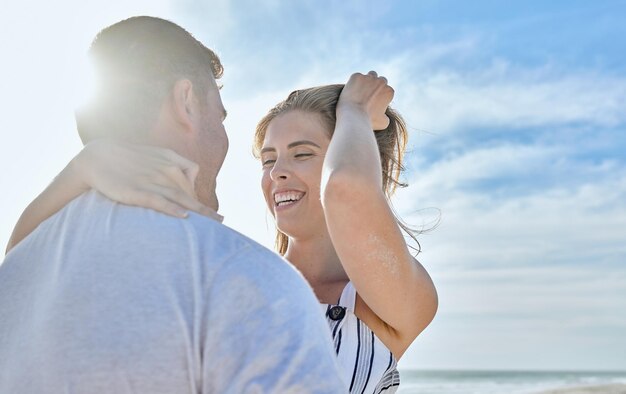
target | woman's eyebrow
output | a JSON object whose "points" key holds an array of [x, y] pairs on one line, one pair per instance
{"points": [[265, 150], [292, 145], [303, 142]]}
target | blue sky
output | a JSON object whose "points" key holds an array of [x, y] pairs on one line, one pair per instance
{"points": [[517, 118]]}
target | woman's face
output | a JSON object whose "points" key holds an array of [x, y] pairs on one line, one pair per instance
{"points": [[292, 156]]}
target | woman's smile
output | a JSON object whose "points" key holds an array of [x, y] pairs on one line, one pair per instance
{"points": [[285, 199]]}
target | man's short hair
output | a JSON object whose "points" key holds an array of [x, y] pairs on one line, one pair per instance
{"points": [[136, 63]]}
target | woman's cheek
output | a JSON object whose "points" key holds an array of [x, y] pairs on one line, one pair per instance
{"points": [[266, 189]]}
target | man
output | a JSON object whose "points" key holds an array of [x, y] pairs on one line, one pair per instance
{"points": [[105, 298]]}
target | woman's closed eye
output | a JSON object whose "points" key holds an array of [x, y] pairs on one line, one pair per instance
{"points": [[267, 162]]}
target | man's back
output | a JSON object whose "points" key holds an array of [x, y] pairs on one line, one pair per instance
{"points": [[109, 298]]}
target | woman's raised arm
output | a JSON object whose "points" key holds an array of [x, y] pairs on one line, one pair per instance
{"points": [[361, 224]]}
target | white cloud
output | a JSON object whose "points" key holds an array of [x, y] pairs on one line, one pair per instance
{"points": [[210, 22], [505, 317], [503, 97], [521, 274], [553, 225]]}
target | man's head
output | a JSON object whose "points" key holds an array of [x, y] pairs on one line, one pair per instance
{"points": [[155, 84]]}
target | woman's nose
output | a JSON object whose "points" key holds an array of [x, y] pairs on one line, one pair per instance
{"points": [[279, 171]]}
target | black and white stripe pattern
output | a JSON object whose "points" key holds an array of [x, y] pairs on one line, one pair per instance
{"points": [[368, 366], [390, 379]]}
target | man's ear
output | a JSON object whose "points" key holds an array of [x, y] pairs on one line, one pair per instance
{"points": [[183, 103]]}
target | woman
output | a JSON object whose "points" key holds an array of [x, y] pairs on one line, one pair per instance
{"points": [[326, 179]]}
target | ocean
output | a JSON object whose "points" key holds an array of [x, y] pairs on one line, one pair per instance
{"points": [[505, 382]]}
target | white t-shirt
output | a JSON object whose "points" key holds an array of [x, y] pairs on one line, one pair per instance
{"points": [[107, 298]]}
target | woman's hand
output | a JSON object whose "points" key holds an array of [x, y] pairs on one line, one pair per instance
{"points": [[371, 94], [144, 176]]}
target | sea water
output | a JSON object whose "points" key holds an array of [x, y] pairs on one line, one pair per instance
{"points": [[500, 382]]}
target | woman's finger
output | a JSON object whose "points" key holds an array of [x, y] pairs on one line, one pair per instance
{"points": [[189, 168], [178, 177], [184, 200], [162, 204], [157, 158]]}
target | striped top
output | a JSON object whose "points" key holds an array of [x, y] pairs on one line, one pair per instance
{"points": [[368, 367]]}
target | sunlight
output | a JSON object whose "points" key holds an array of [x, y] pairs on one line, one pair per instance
{"points": [[84, 83]]}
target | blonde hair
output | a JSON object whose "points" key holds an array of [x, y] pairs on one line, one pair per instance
{"points": [[322, 100]]}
